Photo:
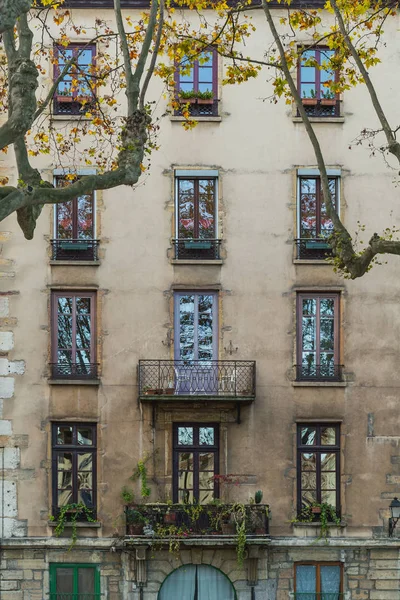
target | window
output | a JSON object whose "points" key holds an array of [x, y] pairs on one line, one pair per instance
{"points": [[196, 326], [196, 215], [74, 466], [75, 90], [196, 84], [73, 335], [74, 582], [318, 581], [197, 582], [314, 77], [314, 225], [196, 461], [74, 228], [318, 337], [318, 472]]}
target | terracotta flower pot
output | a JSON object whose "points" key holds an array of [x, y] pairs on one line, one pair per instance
{"points": [[205, 100], [135, 528], [316, 510], [309, 101], [170, 517]]}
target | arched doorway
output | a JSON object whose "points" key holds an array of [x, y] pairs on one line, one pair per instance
{"points": [[197, 582]]}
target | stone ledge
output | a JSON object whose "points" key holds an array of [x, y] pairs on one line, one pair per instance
{"points": [[319, 384], [74, 381], [199, 119], [197, 262], [320, 119], [316, 524], [75, 263], [78, 524], [303, 261]]}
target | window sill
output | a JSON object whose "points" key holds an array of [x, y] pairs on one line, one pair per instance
{"points": [[86, 525], [70, 117], [319, 383], [199, 119], [320, 119], [317, 525], [75, 263], [73, 381], [311, 261], [196, 262]]}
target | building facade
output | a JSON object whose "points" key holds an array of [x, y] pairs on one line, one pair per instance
{"points": [[191, 331]]}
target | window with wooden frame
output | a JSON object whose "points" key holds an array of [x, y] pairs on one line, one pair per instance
{"points": [[314, 225], [196, 194], [74, 228], [318, 466], [314, 80], [196, 84], [73, 335], [195, 462], [318, 337], [74, 467], [318, 581], [75, 91], [74, 581]]}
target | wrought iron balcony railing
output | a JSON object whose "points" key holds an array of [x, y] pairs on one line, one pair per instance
{"points": [[230, 379], [319, 372], [194, 520], [197, 249], [312, 248], [318, 595], [76, 250], [74, 370], [200, 108], [324, 107]]}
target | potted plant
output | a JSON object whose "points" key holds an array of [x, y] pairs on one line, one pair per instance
{"points": [[205, 97], [328, 99], [187, 96], [170, 390], [170, 515], [64, 96], [310, 100], [135, 522], [149, 391]]}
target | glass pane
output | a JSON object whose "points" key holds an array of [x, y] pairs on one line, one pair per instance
{"points": [[327, 307], [326, 334], [206, 461], [64, 480], [205, 496], [309, 332], [308, 461], [64, 434], [64, 210], [85, 217], [205, 87], [308, 364], [83, 362], [64, 461], [328, 436], [64, 55], [186, 87], [307, 74], [328, 462], [83, 331], [309, 306], [85, 436], [64, 497], [185, 496], [330, 580], [308, 481], [206, 207], [205, 59], [185, 480], [86, 580], [83, 306], [65, 306], [64, 337], [186, 337], [308, 497], [85, 480], [205, 329], [328, 481], [64, 357], [308, 90], [206, 480], [306, 579], [64, 580], [186, 206], [185, 461], [85, 496], [205, 74], [85, 461], [329, 497], [84, 57], [206, 436], [308, 208], [185, 436], [308, 436]]}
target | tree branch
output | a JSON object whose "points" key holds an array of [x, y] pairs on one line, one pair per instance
{"points": [[10, 10], [154, 56], [138, 73]]}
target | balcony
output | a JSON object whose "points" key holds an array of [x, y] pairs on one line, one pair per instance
{"points": [[197, 249], [318, 595], [77, 596], [188, 521], [200, 107], [74, 250], [328, 372], [312, 249], [323, 107], [74, 371]]}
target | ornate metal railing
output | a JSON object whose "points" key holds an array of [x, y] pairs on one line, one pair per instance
{"points": [[319, 372], [322, 108], [196, 520], [69, 106], [225, 378], [197, 249], [74, 370], [76, 250], [312, 248], [201, 109]]}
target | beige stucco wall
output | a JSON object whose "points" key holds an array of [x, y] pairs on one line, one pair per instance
{"points": [[256, 148]]}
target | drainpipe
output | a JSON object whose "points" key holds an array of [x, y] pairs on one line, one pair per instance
{"points": [[253, 593]]}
